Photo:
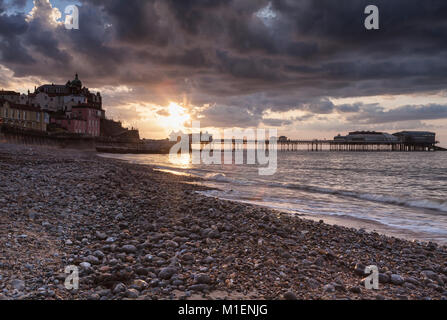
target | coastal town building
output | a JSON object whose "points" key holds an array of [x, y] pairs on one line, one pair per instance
{"points": [[69, 108], [10, 96], [82, 119], [57, 98], [416, 137], [115, 129], [367, 136], [23, 116]]}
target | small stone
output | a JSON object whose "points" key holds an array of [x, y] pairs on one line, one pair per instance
{"points": [[202, 279], [396, 279], [17, 284], [104, 292], [120, 287], [148, 257], [355, 289], [314, 284], [187, 257], [412, 281], [33, 215], [132, 293], [99, 254], [129, 248], [94, 296], [101, 235], [110, 240], [166, 273], [140, 284], [171, 244], [430, 275], [289, 295], [384, 278], [359, 269], [199, 287], [85, 265], [154, 283], [329, 288], [92, 259], [208, 260]]}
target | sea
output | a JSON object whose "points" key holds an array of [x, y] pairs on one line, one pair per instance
{"points": [[401, 194]]}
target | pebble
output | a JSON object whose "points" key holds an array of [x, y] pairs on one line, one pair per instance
{"points": [[202, 279], [129, 248], [166, 238], [132, 293], [396, 279], [355, 289], [120, 287], [18, 284], [166, 273], [289, 295]]}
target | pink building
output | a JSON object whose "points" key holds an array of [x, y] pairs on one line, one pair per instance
{"points": [[83, 119]]}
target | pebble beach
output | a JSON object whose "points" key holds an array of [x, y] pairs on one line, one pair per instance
{"points": [[137, 233]]}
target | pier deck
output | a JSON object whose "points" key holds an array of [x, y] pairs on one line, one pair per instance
{"points": [[332, 145]]}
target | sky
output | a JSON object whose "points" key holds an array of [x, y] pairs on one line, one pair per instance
{"points": [[306, 67]]}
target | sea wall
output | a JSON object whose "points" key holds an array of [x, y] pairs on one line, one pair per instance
{"points": [[8, 135]]}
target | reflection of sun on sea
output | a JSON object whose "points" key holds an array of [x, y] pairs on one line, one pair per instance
{"points": [[175, 122], [181, 160]]}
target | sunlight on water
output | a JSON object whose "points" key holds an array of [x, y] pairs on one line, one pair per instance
{"points": [[182, 161], [403, 191]]}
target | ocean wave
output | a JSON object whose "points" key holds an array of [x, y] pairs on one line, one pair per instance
{"points": [[221, 177], [431, 204]]}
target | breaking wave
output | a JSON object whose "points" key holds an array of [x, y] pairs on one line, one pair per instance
{"points": [[432, 204]]}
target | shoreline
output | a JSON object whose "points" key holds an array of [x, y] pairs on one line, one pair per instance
{"points": [[348, 221], [136, 233]]}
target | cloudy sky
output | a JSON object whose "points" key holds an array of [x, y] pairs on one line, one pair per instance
{"points": [[306, 67]]}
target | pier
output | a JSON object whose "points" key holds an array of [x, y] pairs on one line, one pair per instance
{"points": [[363, 141], [330, 145]]}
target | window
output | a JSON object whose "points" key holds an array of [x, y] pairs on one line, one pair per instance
{"points": [[24, 115], [38, 116]]}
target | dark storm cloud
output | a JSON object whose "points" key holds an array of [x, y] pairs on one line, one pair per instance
{"points": [[346, 108], [242, 57], [19, 3], [229, 116], [377, 114], [276, 122]]}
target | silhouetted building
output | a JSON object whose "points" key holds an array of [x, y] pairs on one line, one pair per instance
{"points": [[367, 136], [416, 137]]}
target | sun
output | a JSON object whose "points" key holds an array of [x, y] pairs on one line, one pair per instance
{"points": [[178, 115]]}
